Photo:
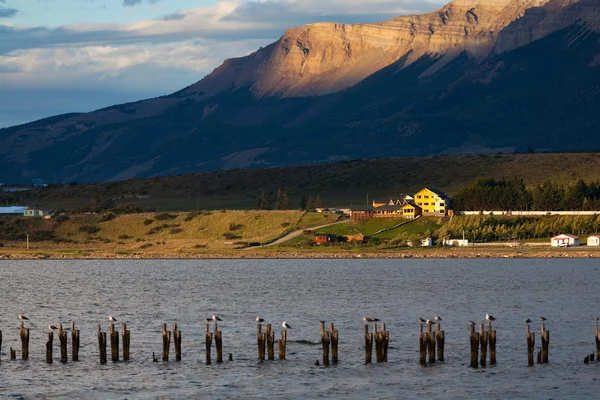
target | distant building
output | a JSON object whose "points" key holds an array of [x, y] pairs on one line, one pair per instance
{"points": [[358, 238], [324, 238], [593, 241], [13, 210], [456, 242], [564, 240], [36, 212], [432, 201], [362, 213], [410, 210], [427, 242]]}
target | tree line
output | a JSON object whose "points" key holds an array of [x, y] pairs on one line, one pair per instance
{"points": [[514, 195], [282, 201]]}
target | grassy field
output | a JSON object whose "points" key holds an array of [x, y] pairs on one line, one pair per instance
{"points": [[416, 228], [342, 184]]}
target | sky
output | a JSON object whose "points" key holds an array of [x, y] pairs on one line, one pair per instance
{"points": [[59, 56]]}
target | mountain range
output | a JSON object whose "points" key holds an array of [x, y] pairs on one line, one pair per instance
{"points": [[476, 76]]}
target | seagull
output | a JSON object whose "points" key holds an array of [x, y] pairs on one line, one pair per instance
{"points": [[208, 319], [52, 327], [258, 319], [421, 320], [23, 318], [471, 323], [488, 317], [437, 318], [527, 321], [543, 319], [375, 320], [428, 321], [215, 318], [286, 325], [596, 318], [367, 319], [112, 319]]}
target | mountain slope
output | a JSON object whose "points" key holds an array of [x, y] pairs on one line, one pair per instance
{"points": [[476, 76]]}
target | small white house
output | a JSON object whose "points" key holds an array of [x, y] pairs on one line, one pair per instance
{"points": [[427, 242], [593, 241], [36, 212], [456, 242], [564, 240]]}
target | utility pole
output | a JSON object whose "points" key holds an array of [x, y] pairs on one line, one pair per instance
{"points": [[27, 241]]}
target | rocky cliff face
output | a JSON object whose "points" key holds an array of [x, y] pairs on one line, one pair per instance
{"points": [[476, 75]]}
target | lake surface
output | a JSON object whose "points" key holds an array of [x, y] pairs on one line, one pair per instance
{"points": [[147, 293]]}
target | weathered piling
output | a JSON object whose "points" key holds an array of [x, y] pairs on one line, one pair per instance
{"points": [[334, 343], [208, 343], [13, 354], [126, 336], [49, 347], [386, 342], [430, 343], [586, 360], [530, 345], [177, 342], [24, 334], [166, 336], [545, 345], [114, 342], [270, 337], [102, 344], [483, 342], [422, 347], [324, 343], [474, 338], [596, 334], [492, 342], [74, 342], [261, 342], [283, 344], [218, 343], [368, 345], [592, 357], [0, 346], [440, 337], [378, 336], [154, 358], [62, 338], [230, 357]]}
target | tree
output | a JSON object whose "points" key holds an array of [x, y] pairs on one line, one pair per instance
{"points": [[310, 203], [318, 203], [264, 203], [286, 202], [303, 202]]}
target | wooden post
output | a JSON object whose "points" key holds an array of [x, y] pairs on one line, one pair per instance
{"points": [[492, 341], [260, 339], [74, 342], [114, 342], [24, 334], [0, 346], [334, 343], [154, 358], [386, 341], [270, 338], [126, 336], [440, 337], [166, 336], [545, 345], [13, 354], [597, 334], [586, 360], [430, 343], [177, 340], [208, 343], [368, 345], [422, 347], [49, 347], [592, 356], [102, 345], [324, 343], [218, 343], [379, 339], [474, 338], [483, 341], [530, 345], [62, 338], [282, 344]]}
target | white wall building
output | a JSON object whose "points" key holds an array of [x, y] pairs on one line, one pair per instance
{"points": [[593, 241], [564, 240]]}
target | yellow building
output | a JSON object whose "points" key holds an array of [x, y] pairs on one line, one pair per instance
{"points": [[432, 201], [410, 210]]}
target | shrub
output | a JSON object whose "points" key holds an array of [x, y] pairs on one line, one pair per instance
{"points": [[175, 231], [165, 216], [285, 224], [107, 216], [124, 237], [146, 245], [1, 244], [231, 236], [201, 246], [148, 221], [234, 227], [62, 218], [132, 209], [89, 229]]}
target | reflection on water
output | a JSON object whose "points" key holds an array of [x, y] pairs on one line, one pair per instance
{"points": [[147, 293]]}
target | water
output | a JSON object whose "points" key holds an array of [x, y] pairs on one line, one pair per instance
{"points": [[147, 293]]}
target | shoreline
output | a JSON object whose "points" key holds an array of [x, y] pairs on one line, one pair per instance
{"points": [[445, 253]]}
